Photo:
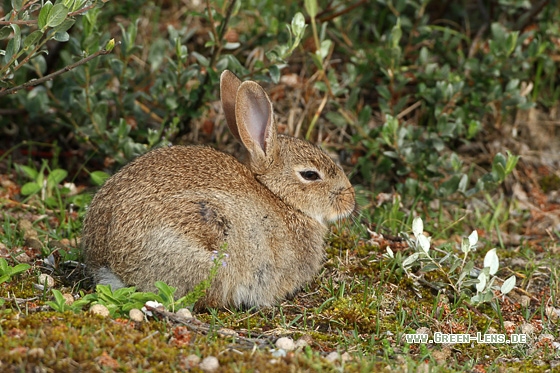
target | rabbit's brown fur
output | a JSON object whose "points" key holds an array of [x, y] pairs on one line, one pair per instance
{"points": [[163, 215]]}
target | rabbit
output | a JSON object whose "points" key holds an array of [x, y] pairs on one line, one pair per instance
{"points": [[166, 214]]}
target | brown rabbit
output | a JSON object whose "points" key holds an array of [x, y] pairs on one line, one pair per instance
{"points": [[164, 215]]}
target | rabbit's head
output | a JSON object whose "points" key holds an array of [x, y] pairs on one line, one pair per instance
{"points": [[299, 173]]}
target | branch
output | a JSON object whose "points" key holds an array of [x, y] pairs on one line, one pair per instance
{"points": [[34, 21], [529, 16], [35, 82]]}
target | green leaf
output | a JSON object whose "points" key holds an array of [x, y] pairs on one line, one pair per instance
{"points": [[16, 5], [298, 25], [44, 15], [511, 162], [456, 263], [61, 36], [466, 270], [3, 266], [463, 183], [429, 267], [59, 298], [491, 261], [64, 26], [201, 59], [511, 41], [508, 285], [410, 260], [78, 4], [5, 32], [30, 188], [22, 267], [274, 72], [13, 45], [32, 38], [311, 7], [500, 172], [30, 172], [56, 176], [57, 15], [323, 51], [396, 34]]}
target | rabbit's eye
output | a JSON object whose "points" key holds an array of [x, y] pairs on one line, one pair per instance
{"points": [[310, 175]]}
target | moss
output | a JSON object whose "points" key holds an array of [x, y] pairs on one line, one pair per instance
{"points": [[549, 183], [19, 287]]}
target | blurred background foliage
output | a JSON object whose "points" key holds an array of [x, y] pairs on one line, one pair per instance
{"points": [[429, 99]]}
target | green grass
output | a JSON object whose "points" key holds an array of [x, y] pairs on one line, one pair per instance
{"points": [[361, 304]]}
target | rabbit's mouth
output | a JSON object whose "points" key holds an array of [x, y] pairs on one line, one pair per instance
{"points": [[341, 205]]}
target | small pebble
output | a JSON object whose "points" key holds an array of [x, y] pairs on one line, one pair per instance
{"points": [[36, 353], [509, 325], [184, 313], [332, 357], [528, 329], [46, 280], [26, 227], [346, 357], [54, 244], [285, 343], [441, 356], [423, 330], [209, 364], [99, 309], [23, 258], [227, 332], [68, 298], [136, 315], [301, 343], [33, 243], [525, 301], [552, 313], [278, 352], [544, 336], [191, 361]]}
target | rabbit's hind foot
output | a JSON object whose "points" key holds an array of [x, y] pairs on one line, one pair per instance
{"points": [[104, 276]]}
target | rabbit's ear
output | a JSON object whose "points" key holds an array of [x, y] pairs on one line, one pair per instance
{"points": [[255, 121], [229, 84]]}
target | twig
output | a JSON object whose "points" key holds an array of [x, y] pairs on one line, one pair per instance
{"points": [[411, 108], [527, 18], [26, 23], [20, 300], [330, 17], [35, 82], [8, 201], [203, 328], [316, 116]]}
